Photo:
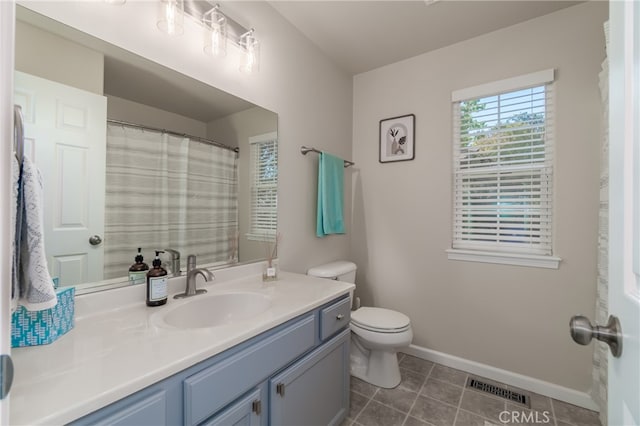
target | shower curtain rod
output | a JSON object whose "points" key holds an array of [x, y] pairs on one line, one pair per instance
{"points": [[184, 135]]}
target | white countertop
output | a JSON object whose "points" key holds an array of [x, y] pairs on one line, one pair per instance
{"points": [[118, 346]]}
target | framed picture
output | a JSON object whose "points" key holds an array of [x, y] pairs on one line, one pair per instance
{"points": [[397, 138]]}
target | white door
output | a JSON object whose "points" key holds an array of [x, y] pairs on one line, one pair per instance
{"points": [[7, 23], [624, 213], [65, 135]]}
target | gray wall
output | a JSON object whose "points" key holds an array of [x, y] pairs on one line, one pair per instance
{"points": [[45, 55], [134, 112], [235, 130], [513, 318]]}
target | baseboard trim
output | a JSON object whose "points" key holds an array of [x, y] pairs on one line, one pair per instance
{"points": [[581, 399]]}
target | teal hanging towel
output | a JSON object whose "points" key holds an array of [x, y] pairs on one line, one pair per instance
{"points": [[330, 219]]}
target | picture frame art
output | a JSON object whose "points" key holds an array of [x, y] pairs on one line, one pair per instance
{"points": [[397, 138]]}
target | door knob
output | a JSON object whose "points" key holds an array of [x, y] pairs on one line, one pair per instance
{"points": [[95, 240], [582, 332]]}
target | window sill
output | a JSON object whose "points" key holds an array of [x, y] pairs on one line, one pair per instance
{"points": [[530, 260]]}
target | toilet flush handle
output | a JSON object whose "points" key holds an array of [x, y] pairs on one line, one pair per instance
{"points": [[339, 317]]}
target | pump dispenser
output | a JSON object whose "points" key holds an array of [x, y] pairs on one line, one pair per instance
{"points": [[157, 281], [138, 271]]}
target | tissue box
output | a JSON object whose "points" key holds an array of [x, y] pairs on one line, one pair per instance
{"points": [[31, 328]]}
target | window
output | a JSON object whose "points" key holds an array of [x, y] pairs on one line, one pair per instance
{"points": [[503, 172], [263, 161]]}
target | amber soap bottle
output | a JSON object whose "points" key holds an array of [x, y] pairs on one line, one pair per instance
{"points": [[157, 283], [138, 271]]}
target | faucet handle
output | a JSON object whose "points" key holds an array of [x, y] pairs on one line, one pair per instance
{"points": [[191, 262]]}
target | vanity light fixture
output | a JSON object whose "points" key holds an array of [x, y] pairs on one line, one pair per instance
{"points": [[250, 59], [171, 16], [215, 32], [219, 29]]}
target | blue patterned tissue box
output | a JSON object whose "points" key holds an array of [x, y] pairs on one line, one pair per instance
{"points": [[31, 328]]}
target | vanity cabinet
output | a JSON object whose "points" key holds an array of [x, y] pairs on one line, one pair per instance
{"points": [[296, 373], [314, 390]]}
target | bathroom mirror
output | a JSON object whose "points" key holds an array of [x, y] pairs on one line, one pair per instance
{"points": [[134, 154]]}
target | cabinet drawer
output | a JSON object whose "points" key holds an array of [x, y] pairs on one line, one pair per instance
{"points": [[334, 318], [211, 389]]}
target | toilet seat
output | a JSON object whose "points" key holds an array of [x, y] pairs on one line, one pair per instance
{"points": [[380, 320]]}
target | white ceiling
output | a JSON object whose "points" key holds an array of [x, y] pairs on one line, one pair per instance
{"points": [[363, 35]]}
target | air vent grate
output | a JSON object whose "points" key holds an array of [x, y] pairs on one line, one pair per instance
{"points": [[498, 391]]}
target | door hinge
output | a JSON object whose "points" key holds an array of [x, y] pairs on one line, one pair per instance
{"points": [[6, 375], [280, 389]]}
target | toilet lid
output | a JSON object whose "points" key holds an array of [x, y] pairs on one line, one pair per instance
{"points": [[380, 319]]}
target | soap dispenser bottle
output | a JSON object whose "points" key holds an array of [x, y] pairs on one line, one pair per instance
{"points": [[157, 283], [138, 271]]}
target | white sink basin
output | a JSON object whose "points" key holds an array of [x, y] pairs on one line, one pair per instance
{"points": [[216, 309]]}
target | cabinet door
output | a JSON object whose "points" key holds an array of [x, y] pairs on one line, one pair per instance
{"points": [[150, 410], [315, 390], [246, 412]]}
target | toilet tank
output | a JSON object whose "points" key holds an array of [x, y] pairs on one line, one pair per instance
{"points": [[341, 270]]}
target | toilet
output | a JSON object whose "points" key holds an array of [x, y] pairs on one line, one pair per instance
{"points": [[376, 333]]}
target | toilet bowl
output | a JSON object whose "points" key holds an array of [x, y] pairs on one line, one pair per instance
{"points": [[376, 333], [376, 336]]}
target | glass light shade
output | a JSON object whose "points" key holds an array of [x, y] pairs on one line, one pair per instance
{"points": [[215, 34], [250, 56], [171, 16], [116, 2]]}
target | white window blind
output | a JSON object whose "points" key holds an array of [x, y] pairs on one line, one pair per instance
{"points": [[503, 171], [263, 158]]}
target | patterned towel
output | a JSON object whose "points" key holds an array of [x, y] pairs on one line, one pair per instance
{"points": [[36, 286], [15, 231]]}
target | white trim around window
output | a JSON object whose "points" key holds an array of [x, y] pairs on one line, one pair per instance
{"points": [[503, 164], [517, 259], [264, 187]]}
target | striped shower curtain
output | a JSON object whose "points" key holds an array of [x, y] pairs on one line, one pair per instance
{"points": [[166, 191]]}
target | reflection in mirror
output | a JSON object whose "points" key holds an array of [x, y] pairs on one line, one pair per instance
{"points": [[137, 155]]}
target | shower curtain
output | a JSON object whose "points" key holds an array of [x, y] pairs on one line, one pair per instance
{"points": [[599, 389], [165, 191]]}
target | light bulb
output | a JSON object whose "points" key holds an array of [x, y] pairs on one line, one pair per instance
{"points": [[171, 17], [250, 59], [215, 33]]}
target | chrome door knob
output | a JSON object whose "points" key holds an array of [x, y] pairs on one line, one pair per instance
{"points": [[95, 240], [582, 332]]}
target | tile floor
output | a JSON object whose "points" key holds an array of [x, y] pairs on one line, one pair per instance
{"points": [[434, 395]]}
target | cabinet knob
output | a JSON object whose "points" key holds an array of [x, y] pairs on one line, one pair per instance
{"points": [[280, 389], [256, 407]]}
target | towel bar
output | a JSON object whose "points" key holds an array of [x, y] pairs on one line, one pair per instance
{"points": [[305, 150]]}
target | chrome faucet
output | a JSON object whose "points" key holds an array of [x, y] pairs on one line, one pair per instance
{"points": [[192, 274], [175, 261]]}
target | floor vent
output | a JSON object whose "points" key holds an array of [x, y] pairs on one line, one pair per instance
{"points": [[498, 391]]}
